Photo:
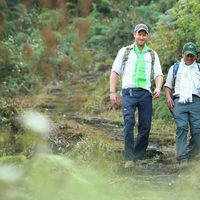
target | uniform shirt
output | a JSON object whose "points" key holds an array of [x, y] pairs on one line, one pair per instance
{"points": [[127, 78], [176, 86]]}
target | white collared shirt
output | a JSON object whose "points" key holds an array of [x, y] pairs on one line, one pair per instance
{"points": [[127, 78], [176, 86]]}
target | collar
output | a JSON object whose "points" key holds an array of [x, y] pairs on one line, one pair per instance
{"points": [[183, 63], [132, 47]]}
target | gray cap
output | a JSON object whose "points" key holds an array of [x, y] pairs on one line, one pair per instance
{"points": [[140, 27]]}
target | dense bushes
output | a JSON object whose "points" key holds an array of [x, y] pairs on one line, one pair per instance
{"points": [[48, 40]]}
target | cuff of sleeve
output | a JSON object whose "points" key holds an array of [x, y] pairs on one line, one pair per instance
{"points": [[168, 85]]}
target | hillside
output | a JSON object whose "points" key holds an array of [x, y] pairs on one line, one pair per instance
{"points": [[58, 128]]}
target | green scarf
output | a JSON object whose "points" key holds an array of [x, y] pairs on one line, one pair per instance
{"points": [[139, 75]]}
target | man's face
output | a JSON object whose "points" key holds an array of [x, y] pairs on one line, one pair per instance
{"points": [[189, 59], [140, 37]]}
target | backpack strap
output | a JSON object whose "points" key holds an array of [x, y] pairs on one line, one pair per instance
{"points": [[175, 71], [152, 57], [152, 60], [125, 57], [198, 66]]}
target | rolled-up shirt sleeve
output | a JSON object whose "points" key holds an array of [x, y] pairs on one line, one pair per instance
{"points": [[117, 64], [157, 67], [169, 80]]}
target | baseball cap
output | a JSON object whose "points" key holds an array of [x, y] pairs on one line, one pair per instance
{"points": [[190, 48], [140, 27]]}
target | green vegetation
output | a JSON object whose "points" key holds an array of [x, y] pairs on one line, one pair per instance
{"points": [[55, 58]]}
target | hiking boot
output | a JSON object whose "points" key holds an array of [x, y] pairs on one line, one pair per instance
{"points": [[129, 164], [183, 164]]}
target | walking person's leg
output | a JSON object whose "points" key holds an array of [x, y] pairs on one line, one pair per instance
{"points": [[181, 117], [128, 108], [144, 125], [194, 121]]}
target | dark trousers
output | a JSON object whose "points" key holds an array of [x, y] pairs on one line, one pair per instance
{"points": [[142, 100], [187, 116]]}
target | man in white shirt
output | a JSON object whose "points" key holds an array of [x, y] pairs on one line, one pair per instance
{"points": [[136, 75], [182, 89]]}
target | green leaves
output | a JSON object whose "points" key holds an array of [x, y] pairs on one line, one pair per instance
{"points": [[188, 19], [178, 25]]}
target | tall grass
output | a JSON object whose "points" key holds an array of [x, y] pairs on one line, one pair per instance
{"points": [[90, 171]]}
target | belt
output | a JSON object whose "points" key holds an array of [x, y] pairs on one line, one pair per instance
{"points": [[132, 90], [135, 89], [194, 95], [177, 96]]}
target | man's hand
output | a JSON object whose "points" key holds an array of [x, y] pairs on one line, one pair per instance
{"points": [[114, 98], [156, 93], [170, 103], [113, 85], [169, 100]]}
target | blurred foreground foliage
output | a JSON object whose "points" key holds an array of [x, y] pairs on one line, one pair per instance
{"points": [[74, 42]]}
